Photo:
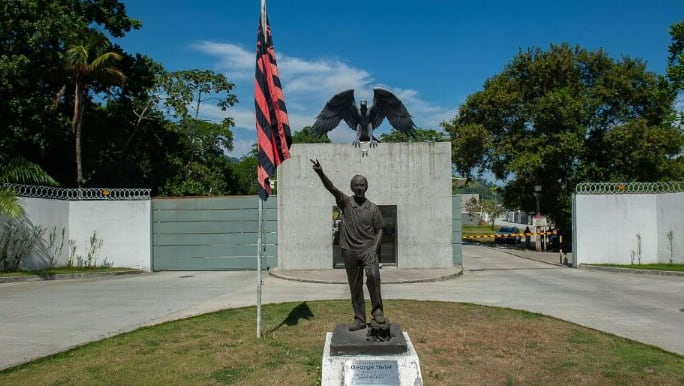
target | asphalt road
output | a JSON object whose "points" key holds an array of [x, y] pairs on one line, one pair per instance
{"points": [[42, 318]]}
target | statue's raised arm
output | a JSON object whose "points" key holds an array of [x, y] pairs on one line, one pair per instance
{"points": [[324, 179]]}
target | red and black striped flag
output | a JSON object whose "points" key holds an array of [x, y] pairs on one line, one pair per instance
{"points": [[272, 124]]}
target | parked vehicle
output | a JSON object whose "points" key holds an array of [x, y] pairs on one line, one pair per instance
{"points": [[507, 235], [555, 242]]}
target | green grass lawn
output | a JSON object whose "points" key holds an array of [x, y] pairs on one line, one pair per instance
{"points": [[478, 229], [469, 232], [458, 344]]}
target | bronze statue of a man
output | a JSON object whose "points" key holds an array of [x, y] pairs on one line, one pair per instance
{"points": [[361, 232]]}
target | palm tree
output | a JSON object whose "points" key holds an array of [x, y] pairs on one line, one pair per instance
{"points": [[18, 171], [84, 71]]}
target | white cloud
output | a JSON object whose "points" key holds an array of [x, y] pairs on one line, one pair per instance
{"points": [[241, 147], [231, 57], [320, 78], [244, 117]]}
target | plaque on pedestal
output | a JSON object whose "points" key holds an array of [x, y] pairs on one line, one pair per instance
{"points": [[371, 372]]}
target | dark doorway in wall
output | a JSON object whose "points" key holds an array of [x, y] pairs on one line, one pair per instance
{"points": [[388, 247]]}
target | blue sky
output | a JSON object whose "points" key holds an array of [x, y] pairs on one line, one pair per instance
{"points": [[432, 54]]}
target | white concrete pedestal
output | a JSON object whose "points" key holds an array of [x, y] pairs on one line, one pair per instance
{"points": [[396, 369]]}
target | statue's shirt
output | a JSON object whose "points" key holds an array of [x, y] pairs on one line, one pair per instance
{"points": [[359, 224]]}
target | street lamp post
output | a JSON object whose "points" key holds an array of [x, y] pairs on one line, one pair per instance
{"points": [[537, 196]]}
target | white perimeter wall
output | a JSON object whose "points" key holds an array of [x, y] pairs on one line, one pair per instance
{"points": [[123, 226], [416, 177], [621, 228]]}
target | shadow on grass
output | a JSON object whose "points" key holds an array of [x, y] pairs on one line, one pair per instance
{"points": [[301, 311]]}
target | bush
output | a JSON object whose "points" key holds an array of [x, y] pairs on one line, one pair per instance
{"points": [[17, 240]]}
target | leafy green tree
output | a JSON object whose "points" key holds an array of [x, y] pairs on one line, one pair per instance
{"points": [[144, 93], [486, 210], [203, 168], [675, 74], [245, 173], [88, 63], [149, 133], [185, 92], [469, 142], [422, 135], [33, 33], [153, 134], [675, 60], [122, 147], [566, 115]]}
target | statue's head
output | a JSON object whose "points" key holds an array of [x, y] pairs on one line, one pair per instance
{"points": [[359, 185], [364, 107]]}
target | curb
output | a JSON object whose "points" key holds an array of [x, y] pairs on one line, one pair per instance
{"points": [[518, 253], [538, 260], [292, 276], [65, 276], [589, 267]]}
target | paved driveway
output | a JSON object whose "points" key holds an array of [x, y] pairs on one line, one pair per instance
{"points": [[42, 318]]}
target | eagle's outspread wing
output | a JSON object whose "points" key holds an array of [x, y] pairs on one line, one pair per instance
{"points": [[342, 106], [387, 105]]}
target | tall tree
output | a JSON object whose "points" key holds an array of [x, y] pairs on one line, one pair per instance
{"points": [[32, 34], [88, 63], [186, 92], [566, 115], [150, 133], [675, 59], [675, 74], [203, 168]]}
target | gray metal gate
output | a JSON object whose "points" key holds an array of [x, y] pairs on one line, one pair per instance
{"points": [[212, 233]]}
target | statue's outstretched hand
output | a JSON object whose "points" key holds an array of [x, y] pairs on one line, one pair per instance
{"points": [[316, 165]]}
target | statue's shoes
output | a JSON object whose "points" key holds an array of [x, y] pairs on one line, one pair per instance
{"points": [[357, 326], [380, 319]]}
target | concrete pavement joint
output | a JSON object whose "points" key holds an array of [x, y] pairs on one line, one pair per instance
{"points": [[65, 276]]}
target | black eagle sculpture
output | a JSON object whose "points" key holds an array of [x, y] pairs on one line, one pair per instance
{"points": [[363, 119]]}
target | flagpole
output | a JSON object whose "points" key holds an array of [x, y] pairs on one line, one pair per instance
{"points": [[262, 15], [259, 252]]}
